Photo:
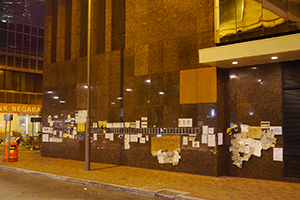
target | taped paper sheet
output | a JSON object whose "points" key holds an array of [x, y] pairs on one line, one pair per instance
{"points": [[211, 140], [185, 140]]}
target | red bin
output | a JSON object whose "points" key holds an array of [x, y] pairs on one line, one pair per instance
{"points": [[13, 151]]}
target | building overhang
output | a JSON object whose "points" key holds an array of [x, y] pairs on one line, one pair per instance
{"points": [[286, 48]]}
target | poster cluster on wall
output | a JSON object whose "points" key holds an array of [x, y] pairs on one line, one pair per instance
{"points": [[251, 140]]}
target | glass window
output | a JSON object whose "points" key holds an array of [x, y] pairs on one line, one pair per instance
{"points": [[19, 42], [29, 82], [18, 62], [26, 44], [12, 26], [38, 83], [3, 25], [41, 32], [16, 81], [25, 63], [2, 97], [20, 27], [3, 60], [31, 99], [1, 80], [9, 97], [34, 30], [8, 80], [32, 64], [39, 99], [25, 98], [3, 39], [33, 45], [40, 46], [17, 98], [40, 65], [10, 61], [240, 19], [11, 42], [26, 29]]}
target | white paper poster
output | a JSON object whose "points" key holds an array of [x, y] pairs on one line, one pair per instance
{"points": [[133, 138], [278, 154], [204, 138], [220, 138], [211, 140], [185, 140], [276, 129], [196, 144], [45, 138], [142, 140], [205, 130], [211, 130], [95, 136]]}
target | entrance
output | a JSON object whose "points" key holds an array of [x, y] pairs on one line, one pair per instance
{"points": [[291, 118]]}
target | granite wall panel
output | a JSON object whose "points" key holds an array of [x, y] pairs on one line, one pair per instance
{"points": [[162, 38]]}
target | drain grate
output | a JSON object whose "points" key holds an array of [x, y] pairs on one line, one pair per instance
{"points": [[171, 194]]}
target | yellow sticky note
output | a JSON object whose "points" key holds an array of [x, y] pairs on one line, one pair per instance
{"points": [[81, 127]]}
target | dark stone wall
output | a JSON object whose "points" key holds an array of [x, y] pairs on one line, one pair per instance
{"points": [[162, 38]]}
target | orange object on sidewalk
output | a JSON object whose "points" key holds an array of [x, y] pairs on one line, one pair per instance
{"points": [[13, 151]]}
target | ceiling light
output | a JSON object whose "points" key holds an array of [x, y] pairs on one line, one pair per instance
{"points": [[50, 92], [274, 57], [232, 76], [62, 101], [235, 62], [55, 97], [128, 89], [113, 103], [120, 98], [254, 67], [85, 86], [161, 93], [148, 81]]}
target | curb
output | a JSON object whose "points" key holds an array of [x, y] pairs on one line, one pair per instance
{"points": [[109, 186]]}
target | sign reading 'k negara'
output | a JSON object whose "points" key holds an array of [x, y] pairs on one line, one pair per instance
{"points": [[20, 108]]}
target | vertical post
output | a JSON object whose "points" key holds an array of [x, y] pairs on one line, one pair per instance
{"points": [[8, 146], [32, 130], [87, 131], [4, 141]]}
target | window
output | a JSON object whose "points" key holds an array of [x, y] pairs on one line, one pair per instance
{"points": [[10, 61], [240, 19], [19, 42], [32, 64], [18, 62], [1, 79], [33, 45], [3, 39], [26, 44]]}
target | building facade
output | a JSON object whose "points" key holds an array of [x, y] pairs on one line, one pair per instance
{"points": [[164, 93], [21, 66]]}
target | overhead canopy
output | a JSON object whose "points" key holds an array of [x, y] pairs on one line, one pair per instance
{"points": [[286, 48]]}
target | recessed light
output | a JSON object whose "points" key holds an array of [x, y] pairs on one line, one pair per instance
{"points": [[274, 57], [235, 62], [254, 67], [120, 98], [85, 86], [113, 103], [232, 76], [62, 101], [128, 89], [50, 92], [161, 93], [55, 97], [148, 81]]}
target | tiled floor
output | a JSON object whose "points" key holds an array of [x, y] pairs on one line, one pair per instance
{"points": [[205, 187]]}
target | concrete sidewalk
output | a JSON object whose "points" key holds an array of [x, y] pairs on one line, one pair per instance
{"points": [[153, 182]]}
